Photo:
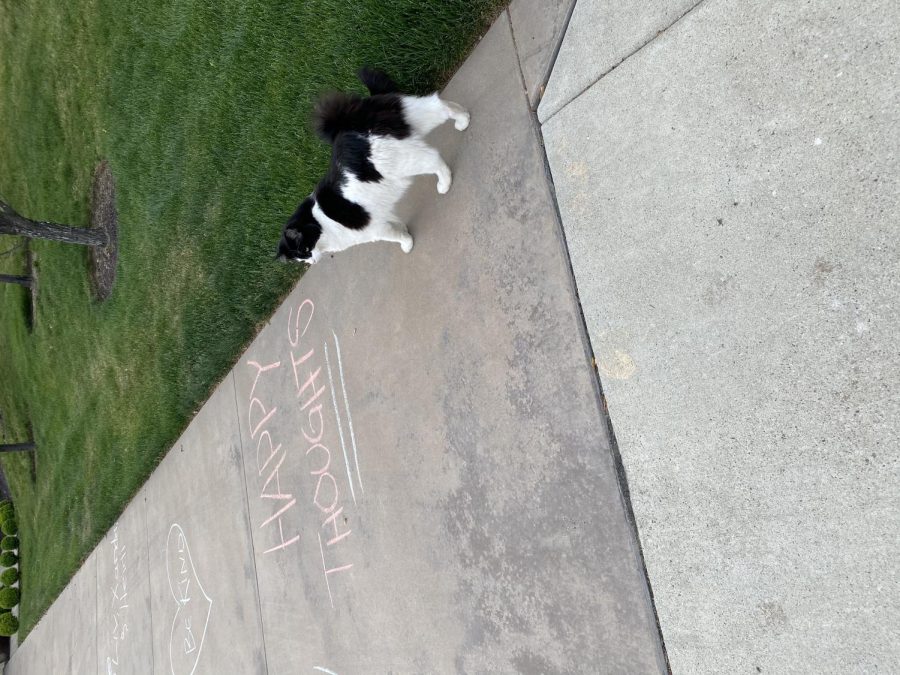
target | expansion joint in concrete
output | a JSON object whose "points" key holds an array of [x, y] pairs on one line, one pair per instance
{"points": [[149, 583], [237, 414], [618, 63], [548, 70]]}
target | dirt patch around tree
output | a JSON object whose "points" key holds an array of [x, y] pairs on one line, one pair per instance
{"points": [[104, 217]]}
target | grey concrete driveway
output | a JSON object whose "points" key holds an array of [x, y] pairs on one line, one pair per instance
{"points": [[727, 175]]}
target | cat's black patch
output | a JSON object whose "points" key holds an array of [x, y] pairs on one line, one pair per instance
{"points": [[381, 115], [353, 153], [300, 233], [337, 207]]}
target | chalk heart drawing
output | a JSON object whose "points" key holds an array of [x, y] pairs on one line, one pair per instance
{"points": [[194, 605]]}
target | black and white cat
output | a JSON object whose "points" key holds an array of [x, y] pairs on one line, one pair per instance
{"points": [[378, 146]]}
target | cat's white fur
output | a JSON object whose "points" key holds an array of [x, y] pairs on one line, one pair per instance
{"points": [[398, 161]]}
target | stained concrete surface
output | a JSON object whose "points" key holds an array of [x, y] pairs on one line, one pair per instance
{"points": [[538, 27], [599, 36], [730, 201], [409, 469]]}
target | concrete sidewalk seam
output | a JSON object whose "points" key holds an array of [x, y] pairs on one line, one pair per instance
{"points": [[600, 399], [149, 582], [618, 63], [237, 414], [548, 71], [97, 604], [512, 33]]}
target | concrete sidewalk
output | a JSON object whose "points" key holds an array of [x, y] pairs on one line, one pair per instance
{"points": [[409, 470], [727, 175]]}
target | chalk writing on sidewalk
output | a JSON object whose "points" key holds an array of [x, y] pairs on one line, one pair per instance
{"points": [[118, 600], [307, 370], [318, 388], [269, 458], [194, 606], [337, 414]]}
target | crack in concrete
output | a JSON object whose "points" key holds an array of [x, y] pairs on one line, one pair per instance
{"points": [[246, 491]]}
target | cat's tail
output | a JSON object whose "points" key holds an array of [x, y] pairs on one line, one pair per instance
{"points": [[333, 114], [377, 82]]}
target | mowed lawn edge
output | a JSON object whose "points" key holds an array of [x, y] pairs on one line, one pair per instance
{"points": [[201, 109]]}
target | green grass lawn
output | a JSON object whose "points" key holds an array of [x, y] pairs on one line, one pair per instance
{"points": [[202, 108]]}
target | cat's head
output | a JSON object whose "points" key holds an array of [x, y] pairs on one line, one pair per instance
{"points": [[300, 235]]}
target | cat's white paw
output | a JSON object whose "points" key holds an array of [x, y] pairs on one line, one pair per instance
{"points": [[462, 122], [444, 182], [407, 244]]}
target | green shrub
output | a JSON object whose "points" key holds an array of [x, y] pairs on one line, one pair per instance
{"points": [[9, 597], [8, 624], [9, 543], [10, 576], [10, 526], [7, 512], [8, 559]]}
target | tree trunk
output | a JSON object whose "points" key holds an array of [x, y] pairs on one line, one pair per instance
{"points": [[14, 224], [17, 447], [12, 279]]}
